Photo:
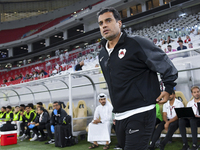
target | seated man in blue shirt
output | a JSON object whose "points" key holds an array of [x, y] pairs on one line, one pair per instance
{"points": [[181, 46]]}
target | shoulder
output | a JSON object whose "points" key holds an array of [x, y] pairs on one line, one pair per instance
{"points": [[190, 103]]}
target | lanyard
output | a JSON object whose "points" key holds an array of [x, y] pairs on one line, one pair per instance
{"points": [[171, 108], [196, 108]]}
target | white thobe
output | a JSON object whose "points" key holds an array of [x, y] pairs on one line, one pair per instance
{"points": [[101, 132]]}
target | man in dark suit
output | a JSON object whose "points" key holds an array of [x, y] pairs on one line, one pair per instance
{"points": [[181, 46], [41, 122]]}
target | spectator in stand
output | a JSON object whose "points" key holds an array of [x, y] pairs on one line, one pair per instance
{"points": [[55, 71], [16, 77], [181, 46], [79, 66], [20, 76], [66, 56], [190, 45], [155, 41], [188, 39], [169, 49], [159, 46], [169, 40], [11, 79], [179, 38], [5, 81]]}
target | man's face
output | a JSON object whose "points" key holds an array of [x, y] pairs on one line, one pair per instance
{"points": [[102, 101], [37, 106], [169, 49], [180, 43], [56, 106], [171, 97], [2, 110], [27, 109], [109, 27], [16, 109], [7, 110], [196, 93], [21, 108], [39, 111]]}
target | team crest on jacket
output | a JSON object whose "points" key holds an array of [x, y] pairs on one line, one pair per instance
{"points": [[122, 53]]}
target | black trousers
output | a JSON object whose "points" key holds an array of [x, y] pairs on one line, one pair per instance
{"points": [[134, 133], [41, 128], [171, 129], [22, 126], [193, 123]]}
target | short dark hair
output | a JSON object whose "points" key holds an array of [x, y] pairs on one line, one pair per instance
{"points": [[56, 102], [9, 107], [40, 103], [22, 105], [16, 106], [30, 105], [109, 9], [3, 107], [180, 41], [42, 108], [169, 46]]}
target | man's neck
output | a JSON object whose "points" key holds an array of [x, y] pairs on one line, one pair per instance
{"points": [[196, 100], [112, 43], [171, 102]]}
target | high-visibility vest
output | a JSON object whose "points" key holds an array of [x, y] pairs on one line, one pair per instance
{"points": [[8, 115], [1, 115], [29, 115], [16, 116], [21, 119]]}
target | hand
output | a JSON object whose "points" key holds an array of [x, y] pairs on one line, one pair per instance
{"points": [[28, 123], [114, 121], [197, 116], [96, 121], [166, 126], [164, 96], [21, 114], [37, 124]]}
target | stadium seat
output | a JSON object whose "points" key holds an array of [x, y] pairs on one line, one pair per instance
{"points": [[181, 97], [67, 109], [80, 111], [50, 106]]}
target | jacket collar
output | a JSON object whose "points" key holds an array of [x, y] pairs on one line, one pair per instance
{"points": [[121, 39]]}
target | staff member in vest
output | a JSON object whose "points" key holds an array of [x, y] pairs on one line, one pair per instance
{"points": [[3, 113], [27, 118], [9, 113], [130, 66], [42, 122], [16, 114], [17, 118]]}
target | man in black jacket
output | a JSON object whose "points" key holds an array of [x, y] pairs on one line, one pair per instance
{"points": [[41, 122], [56, 119], [130, 66]]}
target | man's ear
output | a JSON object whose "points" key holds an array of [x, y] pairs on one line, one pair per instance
{"points": [[120, 23]]}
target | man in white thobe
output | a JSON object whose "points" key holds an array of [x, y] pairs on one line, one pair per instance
{"points": [[100, 128]]}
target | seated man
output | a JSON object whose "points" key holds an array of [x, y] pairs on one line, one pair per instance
{"points": [[3, 113], [56, 118], [191, 122], [42, 122], [79, 66], [9, 113], [170, 123], [27, 118], [17, 118], [99, 129], [181, 46]]}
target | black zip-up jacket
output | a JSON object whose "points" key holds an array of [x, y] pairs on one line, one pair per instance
{"points": [[131, 75]]}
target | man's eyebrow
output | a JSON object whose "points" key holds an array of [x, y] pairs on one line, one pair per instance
{"points": [[105, 20]]}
